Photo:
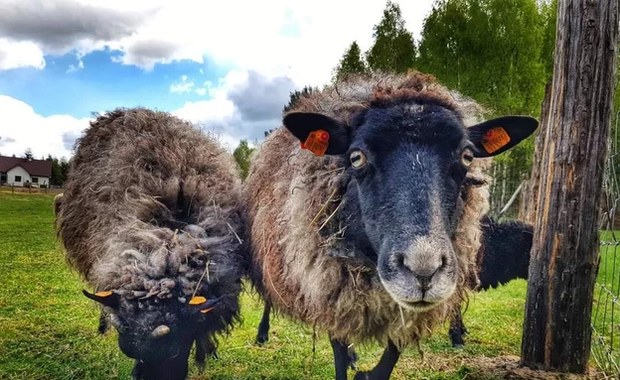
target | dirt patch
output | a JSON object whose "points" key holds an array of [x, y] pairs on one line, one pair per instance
{"points": [[507, 367]]}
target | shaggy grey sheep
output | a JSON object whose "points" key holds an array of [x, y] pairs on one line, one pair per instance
{"points": [[151, 218], [377, 238]]}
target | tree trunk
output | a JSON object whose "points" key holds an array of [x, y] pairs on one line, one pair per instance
{"points": [[556, 331], [527, 207]]}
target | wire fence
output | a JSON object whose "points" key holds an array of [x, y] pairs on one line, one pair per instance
{"points": [[505, 190], [606, 307]]}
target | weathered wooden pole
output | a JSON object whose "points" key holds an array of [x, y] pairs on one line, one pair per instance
{"points": [[556, 331]]}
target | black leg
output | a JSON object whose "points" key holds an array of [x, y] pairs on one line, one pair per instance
{"points": [[104, 324], [383, 370], [457, 329], [263, 326], [341, 358], [204, 348]]}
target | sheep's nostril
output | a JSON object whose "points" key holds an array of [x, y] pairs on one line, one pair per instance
{"points": [[399, 260], [444, 262]]}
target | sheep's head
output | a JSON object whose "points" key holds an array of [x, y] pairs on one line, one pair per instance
{"points": [[158, 334], [407, 162]]}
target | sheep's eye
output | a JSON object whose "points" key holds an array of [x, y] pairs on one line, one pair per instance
{"points": [[467, 157], [358, 159]]}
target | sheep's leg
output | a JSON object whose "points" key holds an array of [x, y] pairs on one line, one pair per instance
{"points": [[263, 326], [104, 324], [342, 359], [383, 370], [457, 329], [204, 347]]}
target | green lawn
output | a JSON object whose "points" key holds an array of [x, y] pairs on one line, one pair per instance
{"points": [[48, 329], [606, 307]]}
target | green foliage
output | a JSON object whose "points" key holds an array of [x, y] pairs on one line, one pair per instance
{"points": [[548, 12], [351, 63], [393, 49], [242, 155], [490, 50], [500, 53], [60, 169]]}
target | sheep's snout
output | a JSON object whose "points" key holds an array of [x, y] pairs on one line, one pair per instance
{"points": [[421, 276]]}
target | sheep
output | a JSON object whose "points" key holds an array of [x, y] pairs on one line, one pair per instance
{"points": [[374, 235], [503, 256], [151, 218]]}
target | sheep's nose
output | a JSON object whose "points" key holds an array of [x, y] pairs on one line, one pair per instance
{"points": [[422, 265]]}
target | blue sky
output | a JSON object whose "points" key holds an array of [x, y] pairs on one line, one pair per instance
{"points": [[103, 84], [227, 66]]}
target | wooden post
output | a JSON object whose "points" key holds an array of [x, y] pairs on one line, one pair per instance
{"points": [[556, 331], [527, 207]]}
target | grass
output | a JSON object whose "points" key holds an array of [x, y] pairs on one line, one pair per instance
{"points": [[48, 329], [606, 307]]}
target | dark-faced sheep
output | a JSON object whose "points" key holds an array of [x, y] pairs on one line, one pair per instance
{"points": [[151, 218], [376, 239], [503, 256]]}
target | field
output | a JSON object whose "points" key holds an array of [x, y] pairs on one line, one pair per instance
{"points": [[48, 328]]}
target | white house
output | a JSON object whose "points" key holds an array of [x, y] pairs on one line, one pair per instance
{"points": [[24, 172]]}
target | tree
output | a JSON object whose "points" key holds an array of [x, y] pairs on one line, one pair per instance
{"points": [[487, 50], [557, 331], [60, 169], [498, 55], [28, 154], [242, 156], [393, 49], [351, 63]]}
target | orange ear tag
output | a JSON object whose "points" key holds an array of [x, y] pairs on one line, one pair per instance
{"points": [[317, 142], [197, 300], [495, 139], [104, 293]]}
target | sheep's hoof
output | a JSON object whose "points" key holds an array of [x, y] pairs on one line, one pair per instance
{"points": [[458, 346], [262, 339]]}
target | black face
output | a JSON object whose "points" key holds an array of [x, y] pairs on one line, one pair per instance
{"points": [[160, 340], [407, 163], [158, 334]]}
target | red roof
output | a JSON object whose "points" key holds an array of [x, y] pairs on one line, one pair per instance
{"points": [[38, 168]]}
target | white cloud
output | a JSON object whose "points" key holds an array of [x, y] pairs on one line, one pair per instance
{"points": [[184, 85], [53, 135], [20, 54], [243, 105], [299, 39]]}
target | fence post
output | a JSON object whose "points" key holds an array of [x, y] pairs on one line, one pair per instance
{"points": [[556, 331]]}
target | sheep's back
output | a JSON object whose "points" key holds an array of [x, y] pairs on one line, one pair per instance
{"points": [[128, 172]]}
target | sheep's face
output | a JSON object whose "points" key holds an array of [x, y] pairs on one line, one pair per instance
{"points": [[158, 334], [407, 163]]}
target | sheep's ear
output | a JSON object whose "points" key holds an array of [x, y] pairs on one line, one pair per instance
{"points": [[106, 298], [498, 135], [318, 133], [201, 304]]}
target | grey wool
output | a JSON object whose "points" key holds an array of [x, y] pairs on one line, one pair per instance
{"points": [[151, 211]]}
